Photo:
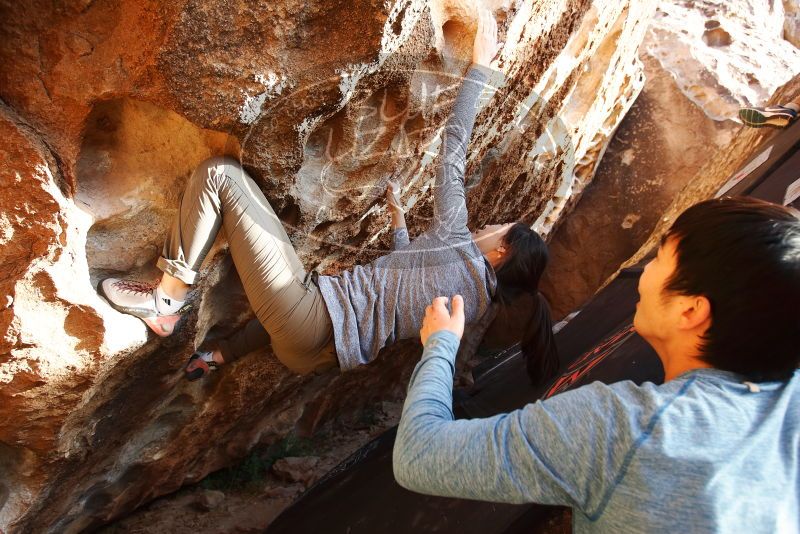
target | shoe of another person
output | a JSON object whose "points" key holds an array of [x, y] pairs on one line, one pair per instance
{"points": [[145, 301], [777, 116]]}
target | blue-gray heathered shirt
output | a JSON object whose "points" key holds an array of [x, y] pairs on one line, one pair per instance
{"points": [[373, 305], [704, 452]]}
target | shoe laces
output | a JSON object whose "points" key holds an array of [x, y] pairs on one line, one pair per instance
{"points": [[134, 287]]}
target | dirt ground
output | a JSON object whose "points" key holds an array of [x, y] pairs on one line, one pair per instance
{"points": [[246, 498]]}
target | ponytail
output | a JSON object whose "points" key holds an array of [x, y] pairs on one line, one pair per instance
{"points": [[518, 276], [539, 344]]}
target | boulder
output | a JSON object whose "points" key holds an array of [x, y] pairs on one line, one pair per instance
{"points": [[300, 469], [659, 146], [724, 54], [208, 500], [106, 108], [687, 111], [716, 172], [791, 22]]}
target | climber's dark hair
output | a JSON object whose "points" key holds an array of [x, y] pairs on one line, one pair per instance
{"points": [[518, 275], [743, 255]]}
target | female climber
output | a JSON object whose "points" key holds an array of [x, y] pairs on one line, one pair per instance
{"points": [[318, 322]]}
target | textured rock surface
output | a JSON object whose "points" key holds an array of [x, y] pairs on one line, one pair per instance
{"points": [[685, 113], [298, 469], [106, 108], [791, 24], [716, 171], [252, 504], [724, 53], [660, 145]]}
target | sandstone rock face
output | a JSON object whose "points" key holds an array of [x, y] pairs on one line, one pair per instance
{"points": [[724, 53], [107, 106], [716, 171], [791, 22], [660, 145], [696, 80]]}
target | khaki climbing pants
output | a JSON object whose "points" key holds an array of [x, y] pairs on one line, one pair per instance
{"points": [[290, 311]]}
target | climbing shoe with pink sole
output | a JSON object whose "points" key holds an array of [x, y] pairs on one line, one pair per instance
{"points": [[143, 301]]}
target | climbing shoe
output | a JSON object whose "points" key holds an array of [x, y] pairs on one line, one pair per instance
{"points": [[145, 301], [200, 363]]}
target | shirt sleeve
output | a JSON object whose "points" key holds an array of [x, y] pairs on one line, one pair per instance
{"points": [[566, 450], [450, 207], [400, 238]]}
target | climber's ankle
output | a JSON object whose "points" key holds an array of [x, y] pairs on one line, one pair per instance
{"points": [[174, 287]]}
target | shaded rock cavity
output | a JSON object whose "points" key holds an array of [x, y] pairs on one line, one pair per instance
{"points": [[134, 160]]}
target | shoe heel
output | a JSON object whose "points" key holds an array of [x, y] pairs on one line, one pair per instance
{"points": [[199, 368], [195, 375], [163, 325]]}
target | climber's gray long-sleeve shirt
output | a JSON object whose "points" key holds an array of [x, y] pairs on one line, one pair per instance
{"points": [[374, 305], [704, 452]]}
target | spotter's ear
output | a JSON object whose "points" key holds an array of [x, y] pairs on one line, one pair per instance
{"points": [[696, 312]]}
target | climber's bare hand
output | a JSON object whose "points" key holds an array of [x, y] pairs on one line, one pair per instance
{"points": [[485, 47], [438, 317], [393, 197]]}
